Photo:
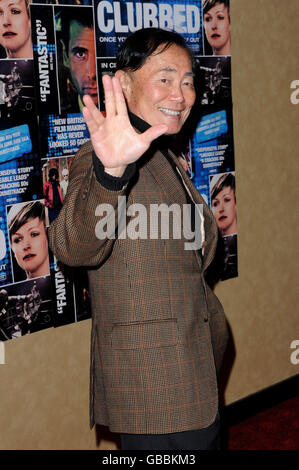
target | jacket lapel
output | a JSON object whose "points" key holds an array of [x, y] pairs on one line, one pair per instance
{"points": [[159, 168]]}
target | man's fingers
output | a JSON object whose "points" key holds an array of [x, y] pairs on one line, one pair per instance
{"points": [[93, 111], [92, 115], [121, 107], [88, 101], [90, 121], [110, 105]]}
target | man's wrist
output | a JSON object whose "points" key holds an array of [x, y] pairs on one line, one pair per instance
{"points": [[110, 181]]}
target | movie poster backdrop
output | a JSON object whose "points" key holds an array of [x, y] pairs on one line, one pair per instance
{"points": [[42, 128]]}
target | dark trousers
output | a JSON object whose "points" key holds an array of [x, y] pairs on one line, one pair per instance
{"points": [[199, 439]]}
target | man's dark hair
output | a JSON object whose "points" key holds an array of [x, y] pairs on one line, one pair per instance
{"points": [[134, 51], [65, 14]]}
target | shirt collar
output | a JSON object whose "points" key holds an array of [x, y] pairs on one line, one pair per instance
{"points": [[163, 142], [138, 123]]}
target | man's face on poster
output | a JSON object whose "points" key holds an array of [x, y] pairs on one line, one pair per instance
{"points": [[80, 59]]}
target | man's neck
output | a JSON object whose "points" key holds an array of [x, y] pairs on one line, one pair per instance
{"points": [[138, 123], [164, 141]]}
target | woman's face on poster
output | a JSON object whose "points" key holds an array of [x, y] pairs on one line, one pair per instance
{"points": [[30, 246], [15, 28], [217, 29], [224, 210]]}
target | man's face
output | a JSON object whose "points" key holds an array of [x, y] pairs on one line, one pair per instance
{"points": [[162, 90], [81, 60]]}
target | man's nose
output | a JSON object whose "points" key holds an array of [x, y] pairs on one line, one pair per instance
{"points": [[92, 69], [177, 94]]}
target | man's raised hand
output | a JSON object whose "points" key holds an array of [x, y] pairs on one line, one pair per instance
{"points": [[115, 141]]}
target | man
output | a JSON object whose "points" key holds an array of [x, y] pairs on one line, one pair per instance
{"points": [[158, 329], [78, 57]]}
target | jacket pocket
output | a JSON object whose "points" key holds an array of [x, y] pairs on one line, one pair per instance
{"points": [[141, 335]]}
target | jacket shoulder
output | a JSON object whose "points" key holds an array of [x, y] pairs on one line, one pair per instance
{"points": [[83, 158], [85, 151]]}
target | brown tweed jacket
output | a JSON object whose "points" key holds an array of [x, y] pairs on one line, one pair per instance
{"points": [[158, 331]]}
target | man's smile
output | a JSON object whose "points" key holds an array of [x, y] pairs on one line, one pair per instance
{"points": [[171, 112]]}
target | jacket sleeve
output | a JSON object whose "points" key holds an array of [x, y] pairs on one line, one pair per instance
{"points": [[218, 327], [72, 235]]}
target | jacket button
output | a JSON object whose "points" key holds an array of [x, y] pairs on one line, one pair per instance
{"points": [[84, 195]]}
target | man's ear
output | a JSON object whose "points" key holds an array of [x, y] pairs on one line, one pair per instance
{"points": [[125, 81], [65, 56]]}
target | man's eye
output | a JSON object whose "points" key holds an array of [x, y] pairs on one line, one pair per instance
{"points": [[164, 80], [15, 12], [189, 84], [80, 54]]}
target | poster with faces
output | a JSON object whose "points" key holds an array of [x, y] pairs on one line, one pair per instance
{"points": [[25, 284], [65, 70], [212, 140], [20, 177], [51, 54]]}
